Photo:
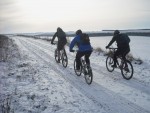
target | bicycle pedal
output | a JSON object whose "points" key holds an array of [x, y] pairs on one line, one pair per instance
{"points": [[85, 72], [113, 66], [58, 61], [78, 71]]}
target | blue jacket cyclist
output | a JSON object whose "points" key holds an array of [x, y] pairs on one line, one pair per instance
{"points": [[85, 48]]}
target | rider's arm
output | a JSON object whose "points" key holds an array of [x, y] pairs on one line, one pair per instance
{"points": [[73, 42], [112, 41], [53, 37]]}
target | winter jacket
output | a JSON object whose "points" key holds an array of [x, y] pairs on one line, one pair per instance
{"points": [[121, 43], [82, 47], [61, 37]]}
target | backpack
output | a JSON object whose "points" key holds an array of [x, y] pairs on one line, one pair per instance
{"points": [[85, 38], [62, 37], [124, 40]]}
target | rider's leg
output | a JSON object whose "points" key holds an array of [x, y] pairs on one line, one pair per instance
{"points": [[115, 60], [78, 59], [64, 50], [125, 52], [58, 55], [59, 47], [87, 55], [117, 53]]}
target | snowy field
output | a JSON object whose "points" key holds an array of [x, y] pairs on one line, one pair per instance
{"points": [[32, 82]]}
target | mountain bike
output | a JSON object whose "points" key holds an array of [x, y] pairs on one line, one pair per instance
{"points": [[126, 70], [63, 57], [86, 70]]}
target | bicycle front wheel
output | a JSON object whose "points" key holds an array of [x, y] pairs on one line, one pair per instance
{"points": [[88, 76], [109, 63], [64, 60], [127, 71], [78, 72]]}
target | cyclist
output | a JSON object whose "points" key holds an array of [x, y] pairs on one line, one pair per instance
{"points": [[123, 49], [62, 41], [85, 48]]}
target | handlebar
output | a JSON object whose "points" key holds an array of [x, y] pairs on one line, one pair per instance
{"points": [[74, 51], [77, 50], [111, 48], [54, 43]]}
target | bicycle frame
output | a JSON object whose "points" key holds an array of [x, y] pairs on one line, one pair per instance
{"points": [[119, 64]]}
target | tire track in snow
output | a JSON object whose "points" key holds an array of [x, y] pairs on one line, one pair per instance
{"points": [[119, 86], [118, 77]]}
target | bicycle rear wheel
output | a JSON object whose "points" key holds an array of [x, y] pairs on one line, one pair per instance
{"points": [[89, 75], [78, 72], [109, 63], [127, 72], [64, 59]]}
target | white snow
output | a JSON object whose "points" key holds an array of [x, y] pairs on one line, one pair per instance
{"points": [[35, 83]]}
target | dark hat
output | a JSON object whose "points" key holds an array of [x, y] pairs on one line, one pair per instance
{"points": [[78, 32], [59, 29], [116, 32]]}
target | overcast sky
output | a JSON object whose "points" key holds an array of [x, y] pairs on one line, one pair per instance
{"points": [[18, 16]]}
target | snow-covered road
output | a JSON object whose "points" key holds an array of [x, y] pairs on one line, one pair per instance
{"points": [[44, 86]]}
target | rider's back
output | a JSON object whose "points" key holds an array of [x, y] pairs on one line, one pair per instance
{"points": [[85, 40], [84, 43], [61, 36], [122, 40]]}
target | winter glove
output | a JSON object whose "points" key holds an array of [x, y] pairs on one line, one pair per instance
{"points": [[52, 43], [71, 50], [107, 47]]}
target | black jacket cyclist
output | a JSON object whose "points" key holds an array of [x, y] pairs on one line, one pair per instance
{"points": [[61, 35], [122, 44]]}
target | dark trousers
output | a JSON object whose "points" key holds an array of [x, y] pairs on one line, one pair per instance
{"points": [[80, 54], [60, 46], [121, 51]]}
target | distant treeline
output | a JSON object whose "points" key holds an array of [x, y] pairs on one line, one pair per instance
{"points": [[131, 32], [138, 33], [92, 34], [111, 34]]}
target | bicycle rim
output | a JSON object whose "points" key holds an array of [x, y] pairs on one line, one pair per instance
{"points": [[78, 73], [89, 76], [64, 60], [109, 63], [127, 73]]}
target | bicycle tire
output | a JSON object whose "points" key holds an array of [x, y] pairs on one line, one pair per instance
{"points": [[109, 63], [78, 73], [89, 76], [64, 60], [127, 74]]}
